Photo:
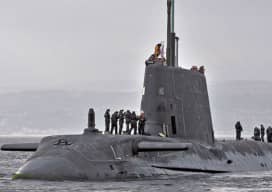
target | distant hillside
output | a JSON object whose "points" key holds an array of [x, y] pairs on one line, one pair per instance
{"points": [[65, 111], [44, 112]]}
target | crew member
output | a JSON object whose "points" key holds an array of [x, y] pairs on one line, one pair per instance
{"points": [[269, 134], [128, 121], [141, 124], [257, 134], [114, 119], [262, 132], [201, 69], [121, 121], [133, 119], [157, 56], [239, 129], [107, 120]]}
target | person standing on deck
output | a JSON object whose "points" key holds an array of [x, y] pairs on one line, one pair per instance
{"points": [[128, 120], [262, 132], [121, 121], [239, 129], [141, 124], [114, 119], [107, 120], [133, 123]]}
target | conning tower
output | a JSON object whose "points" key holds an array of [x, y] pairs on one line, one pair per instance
{"points": [[175, 100]]}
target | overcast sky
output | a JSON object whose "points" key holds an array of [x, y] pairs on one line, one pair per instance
{"points": [[63, 43]]}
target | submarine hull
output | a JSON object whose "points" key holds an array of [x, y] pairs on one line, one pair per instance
{"points": [[107, 157]]}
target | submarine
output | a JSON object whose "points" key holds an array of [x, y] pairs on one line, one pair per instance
{"points": [[179, 135]]}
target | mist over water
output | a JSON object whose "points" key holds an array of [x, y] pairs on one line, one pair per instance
{"points": [[64, 111]]}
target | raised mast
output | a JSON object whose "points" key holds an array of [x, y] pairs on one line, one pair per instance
{"points": [[171, 36], [172, 16]]}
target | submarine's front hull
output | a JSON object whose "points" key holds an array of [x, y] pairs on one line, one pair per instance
{"points": [[50, 168], [87, 157], [107, 157]]}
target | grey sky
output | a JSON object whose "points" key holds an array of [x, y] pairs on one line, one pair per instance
{"points": [[63, 43]]}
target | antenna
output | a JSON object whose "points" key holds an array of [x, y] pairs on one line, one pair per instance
{"points": [[172, 40]]}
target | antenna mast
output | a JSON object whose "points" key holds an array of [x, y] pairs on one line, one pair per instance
{"points": [[172, 40]]}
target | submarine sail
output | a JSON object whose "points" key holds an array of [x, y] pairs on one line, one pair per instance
{"points": [[176, 101]]}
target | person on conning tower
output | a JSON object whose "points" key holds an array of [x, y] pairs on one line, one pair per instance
{"points": [[158, 56]]}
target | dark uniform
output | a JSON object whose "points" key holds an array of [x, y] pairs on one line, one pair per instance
{"points": [[262, 133], [239, 129], [257, 134], [141, 124], [128, 121], [133, 119], [107, 120], [269, 134], [114, 119], [121, 117]]}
